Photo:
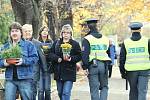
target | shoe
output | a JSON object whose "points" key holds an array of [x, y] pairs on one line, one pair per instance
{"points": [[123, 76]]}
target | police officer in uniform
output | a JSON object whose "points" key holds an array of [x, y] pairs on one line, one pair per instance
{"points": [[95, 61], [135, 62]]}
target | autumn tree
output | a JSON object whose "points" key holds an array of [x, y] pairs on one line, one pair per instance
{"points": [[114, 15], [49, 17], [84, 9]]}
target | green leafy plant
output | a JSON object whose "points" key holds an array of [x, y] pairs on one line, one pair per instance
{"points": [[12, 52]]}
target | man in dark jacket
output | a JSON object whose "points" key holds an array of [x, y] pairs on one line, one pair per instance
{"points": [[135, 63], [19, 75], [41, 64]]}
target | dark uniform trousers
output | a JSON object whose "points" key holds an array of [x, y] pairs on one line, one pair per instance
{"points": [[98, 80], [138, 81]]}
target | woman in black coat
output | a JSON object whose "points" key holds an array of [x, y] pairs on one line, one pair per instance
{"points": [[65, 64], [44, 90]]}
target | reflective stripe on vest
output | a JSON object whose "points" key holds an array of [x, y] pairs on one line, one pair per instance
{"points": [[98, 47], [137, 57]]}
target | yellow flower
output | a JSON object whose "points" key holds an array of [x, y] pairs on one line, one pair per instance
{"points": [[45, 47], [66, 46]]}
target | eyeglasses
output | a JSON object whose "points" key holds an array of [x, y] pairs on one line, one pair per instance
{"points": [[67, 32]]}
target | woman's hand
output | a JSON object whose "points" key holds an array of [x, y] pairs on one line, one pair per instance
{"points": [[5, 63], [67, 58], [19, 62]]}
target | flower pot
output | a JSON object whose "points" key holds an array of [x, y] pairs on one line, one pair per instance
{"points": [[12, 61]]}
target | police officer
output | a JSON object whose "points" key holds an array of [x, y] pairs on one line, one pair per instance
{"points": [[95, 59], [135, 62]]}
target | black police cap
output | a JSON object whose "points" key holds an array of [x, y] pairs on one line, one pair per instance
{"points": [[135, 25], [91, 20]]}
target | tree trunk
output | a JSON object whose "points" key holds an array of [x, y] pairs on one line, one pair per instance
{"points": [[65, 13], [48, 7], [27, 12]]}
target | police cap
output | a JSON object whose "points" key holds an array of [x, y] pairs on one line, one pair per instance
{"points": [[135, 25], [91, 20]]}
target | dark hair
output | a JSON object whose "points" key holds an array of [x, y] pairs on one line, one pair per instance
{"points": [[42, 28], [92, 27], [15, 25], [40, 36]]}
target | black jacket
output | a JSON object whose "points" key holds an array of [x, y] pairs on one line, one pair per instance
{"points": [[66, 70], [46, 52], [134, 37]]}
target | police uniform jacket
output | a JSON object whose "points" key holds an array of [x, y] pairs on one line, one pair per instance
{"points": [[135, 37], [86, 52]]}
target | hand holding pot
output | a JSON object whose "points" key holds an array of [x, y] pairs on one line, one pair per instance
{"points": [[19, 62]]}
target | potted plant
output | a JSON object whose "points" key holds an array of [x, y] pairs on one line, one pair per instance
{"points": [[12, 54], [66, 48]]}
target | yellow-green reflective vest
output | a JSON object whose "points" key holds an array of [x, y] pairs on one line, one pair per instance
{"points": [[137, 57], [98, 47]]}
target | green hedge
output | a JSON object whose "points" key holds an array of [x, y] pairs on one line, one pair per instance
{"points": [[5, 20]]}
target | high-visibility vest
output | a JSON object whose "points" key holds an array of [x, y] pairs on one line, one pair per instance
{"points": [[137, 57], [98, 47]]}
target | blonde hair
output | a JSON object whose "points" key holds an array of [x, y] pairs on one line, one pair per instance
{"points": [[68, 28], [27, 26]]}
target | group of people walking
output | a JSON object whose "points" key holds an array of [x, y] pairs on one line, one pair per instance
{"points": [[31, 74]]}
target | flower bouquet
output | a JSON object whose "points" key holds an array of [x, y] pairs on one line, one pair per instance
{"points": [[45, 49], [11, 55], [66, 48]]}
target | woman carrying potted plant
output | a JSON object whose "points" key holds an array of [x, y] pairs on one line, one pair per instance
{"points": [[65, 53], [19, 75]]}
